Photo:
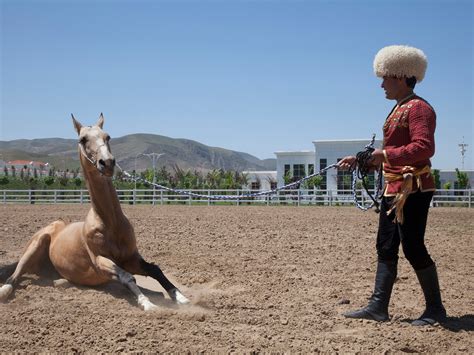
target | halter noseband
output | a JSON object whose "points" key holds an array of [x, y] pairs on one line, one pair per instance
{"points": [[94, 163]]}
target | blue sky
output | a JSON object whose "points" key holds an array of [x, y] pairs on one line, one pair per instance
{"points": [[252, 76]]}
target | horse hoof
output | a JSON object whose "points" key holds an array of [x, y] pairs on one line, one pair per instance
{"points": [[146, 304], [5, 291], [180, 298], [61, 283], [149, 307]]}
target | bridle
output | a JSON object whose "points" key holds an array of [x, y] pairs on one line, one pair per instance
{"points": [[84, 154]]}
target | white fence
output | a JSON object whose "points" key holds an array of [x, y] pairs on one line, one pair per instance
{"points": [[460, 198]]}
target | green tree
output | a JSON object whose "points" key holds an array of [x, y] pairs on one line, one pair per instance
{"points": [[49, 181], [288, 177], [313, 182], [462, 179], [435, 173], [63, 180], [77, 182]]}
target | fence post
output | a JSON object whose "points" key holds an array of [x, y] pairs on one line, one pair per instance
{"points": [[470, 198], [4, 196], [55, 196], [208, 198], [299, 197]]}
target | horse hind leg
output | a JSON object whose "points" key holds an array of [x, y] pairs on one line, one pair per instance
{"points": [[35, 252]]}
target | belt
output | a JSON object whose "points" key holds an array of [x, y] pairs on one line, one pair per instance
{"points": [[406, 175]]}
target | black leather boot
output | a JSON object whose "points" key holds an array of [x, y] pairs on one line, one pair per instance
{"points": [[435, 311], [377, 309]]}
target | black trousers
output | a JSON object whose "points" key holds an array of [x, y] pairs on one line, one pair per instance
{"points": [[411, 233]]}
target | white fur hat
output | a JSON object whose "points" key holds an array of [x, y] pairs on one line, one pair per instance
{"points": [[401, 61]]}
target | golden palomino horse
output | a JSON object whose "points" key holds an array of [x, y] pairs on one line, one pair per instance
{"points": [[103, 247]]}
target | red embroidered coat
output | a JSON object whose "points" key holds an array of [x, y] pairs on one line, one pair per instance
{"points": [[409, 141]]}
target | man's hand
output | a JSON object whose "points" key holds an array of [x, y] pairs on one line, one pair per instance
{"points": [[377, 157], [346, 162]]}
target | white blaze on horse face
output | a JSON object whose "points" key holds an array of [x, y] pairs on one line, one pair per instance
{"points": [[95, 143]]}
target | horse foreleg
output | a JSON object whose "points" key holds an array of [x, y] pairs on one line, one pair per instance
{"points": [[154, 271], [36, 249], [114, 272]]}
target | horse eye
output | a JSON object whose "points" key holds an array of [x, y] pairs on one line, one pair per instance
{"points": [[83, 140], [107, 138]]}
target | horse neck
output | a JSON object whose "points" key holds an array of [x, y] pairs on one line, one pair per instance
{"points": [[103, 195]]}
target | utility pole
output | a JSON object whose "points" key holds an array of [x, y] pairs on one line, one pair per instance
{"points": [[154, 157], [463, 149]]}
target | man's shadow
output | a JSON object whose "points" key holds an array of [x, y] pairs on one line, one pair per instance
{"points": [[455, 324]]}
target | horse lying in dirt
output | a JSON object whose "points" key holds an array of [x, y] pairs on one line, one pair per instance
{"points": [[103, 247]]}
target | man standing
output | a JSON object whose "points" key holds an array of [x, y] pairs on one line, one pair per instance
{"points": [[408, 145]]}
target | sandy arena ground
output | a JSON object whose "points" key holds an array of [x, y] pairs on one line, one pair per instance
{"points": [[260, 279]]}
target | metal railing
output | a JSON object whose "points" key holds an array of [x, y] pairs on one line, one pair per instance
{"points": [[297, 197]]}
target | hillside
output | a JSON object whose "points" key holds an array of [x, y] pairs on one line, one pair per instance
{"points": [[128, 150]]}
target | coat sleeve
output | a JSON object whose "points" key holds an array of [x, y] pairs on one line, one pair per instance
{"points": [[421, 145]]}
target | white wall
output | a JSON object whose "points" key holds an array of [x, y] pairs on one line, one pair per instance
{"points": [[264, 177], [292, 158], [332, 150]]}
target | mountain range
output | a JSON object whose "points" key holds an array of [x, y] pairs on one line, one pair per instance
{"points": [[129, 152]]}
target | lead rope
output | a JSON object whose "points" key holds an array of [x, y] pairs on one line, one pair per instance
{"points": [[360, 170]]}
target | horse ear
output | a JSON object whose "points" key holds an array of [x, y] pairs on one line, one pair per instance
{"points": [[100, 122], [77, 124]]}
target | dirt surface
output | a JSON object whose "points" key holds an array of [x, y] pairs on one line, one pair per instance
{"points": [[260, 279]]}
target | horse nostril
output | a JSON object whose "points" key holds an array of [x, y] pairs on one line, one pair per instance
{"points": [[101, 162]]}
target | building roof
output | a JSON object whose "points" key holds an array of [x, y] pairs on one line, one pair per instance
{"points": [[301, 152], [345, 141], [26, 162]]}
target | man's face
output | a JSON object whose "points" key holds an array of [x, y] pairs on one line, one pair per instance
{"points": [[394, 87]]}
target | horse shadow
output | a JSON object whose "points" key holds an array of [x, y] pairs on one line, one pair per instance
{"points": [[455, 324], [47, 276]]}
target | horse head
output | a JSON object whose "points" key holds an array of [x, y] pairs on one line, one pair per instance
{"points": [[94, 146]]}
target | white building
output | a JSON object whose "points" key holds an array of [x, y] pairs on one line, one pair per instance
{"points": [[28, 167], [294, 165], [450, 176], [298, 164], [329, 152], [261, 180]]}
